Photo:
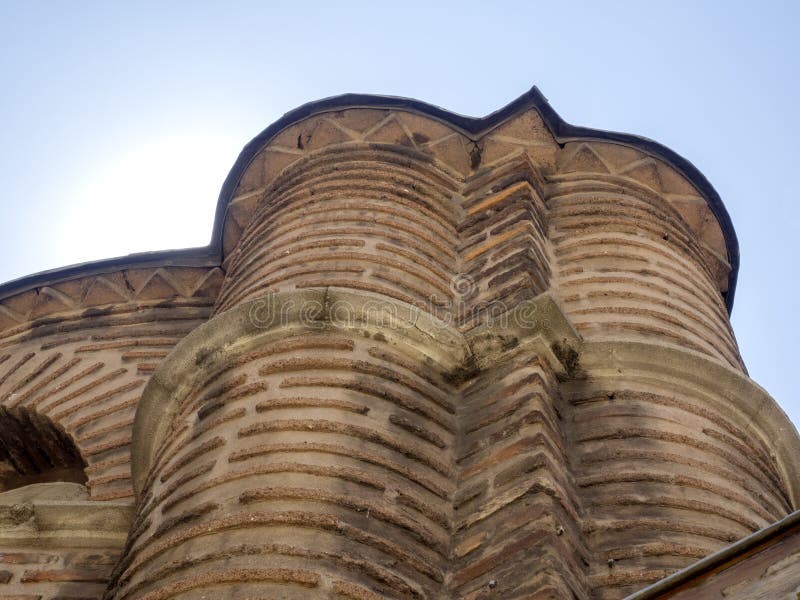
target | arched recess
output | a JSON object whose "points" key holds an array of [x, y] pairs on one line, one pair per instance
{"points": [[33, 449]]}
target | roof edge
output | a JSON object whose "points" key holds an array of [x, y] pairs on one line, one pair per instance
{"points": [[762, 537], [211, 255], [203, 256]]}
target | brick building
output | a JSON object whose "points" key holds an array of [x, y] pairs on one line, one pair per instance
{"points": [[424, 356]]}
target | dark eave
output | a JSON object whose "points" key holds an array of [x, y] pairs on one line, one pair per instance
{"points": [[211, 255], [747, 546]]}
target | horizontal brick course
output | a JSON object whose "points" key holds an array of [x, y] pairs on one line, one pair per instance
{"points": [[469, 438]]}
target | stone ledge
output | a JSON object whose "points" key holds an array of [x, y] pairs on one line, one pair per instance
{"points": [[540, 323], [733, 393], [31, 516]]}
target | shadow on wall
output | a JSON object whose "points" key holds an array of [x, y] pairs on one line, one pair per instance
{"points": [[34, 450]]}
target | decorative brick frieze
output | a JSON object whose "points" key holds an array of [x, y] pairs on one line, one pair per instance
{"points": [[424, 356]]}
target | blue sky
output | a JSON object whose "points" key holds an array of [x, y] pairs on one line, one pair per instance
{"points": [[119, 122]]}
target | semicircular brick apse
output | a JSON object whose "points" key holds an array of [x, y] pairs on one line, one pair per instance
{"points": [[425, 356]]}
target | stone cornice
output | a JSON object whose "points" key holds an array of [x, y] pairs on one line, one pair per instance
{"points": [[539, 323], [727, 389], [69, 523]]}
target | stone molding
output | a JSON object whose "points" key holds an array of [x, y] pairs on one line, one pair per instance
{"points": [[729, 391], [539, 323], [33, 516]]}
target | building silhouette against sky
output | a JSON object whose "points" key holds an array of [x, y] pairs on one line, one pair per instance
{"points": [[424, 356]]}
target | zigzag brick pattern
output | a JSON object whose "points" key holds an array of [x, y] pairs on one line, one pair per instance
{"points": [[504, 250], [363, 217], [466, 456], [629, 265], [75, 357], [84, 350], [517, 508]]}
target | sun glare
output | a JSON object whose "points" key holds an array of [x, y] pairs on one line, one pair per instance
{"points": [[159, 194]]}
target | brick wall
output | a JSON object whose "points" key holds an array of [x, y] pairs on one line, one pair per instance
{"points": [[432, 363]]}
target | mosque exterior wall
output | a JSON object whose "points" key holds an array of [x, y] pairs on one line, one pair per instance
{"points": [[434, 358]]}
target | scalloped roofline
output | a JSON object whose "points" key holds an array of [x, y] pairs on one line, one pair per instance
{"points": [[211, 255]]}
